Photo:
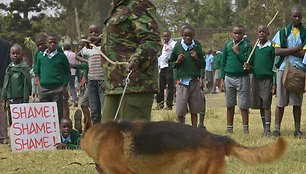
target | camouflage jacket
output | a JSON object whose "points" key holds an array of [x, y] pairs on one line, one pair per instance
{"points": [[131, 33]]}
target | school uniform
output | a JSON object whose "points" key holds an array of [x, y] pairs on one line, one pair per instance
{"points": [[262, 63], [288, 37], [188, 89], [17, 85], [236, 79], [54, 73], [73, 140]]}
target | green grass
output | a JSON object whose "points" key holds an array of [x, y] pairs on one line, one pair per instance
{"points": [[77, 162]]}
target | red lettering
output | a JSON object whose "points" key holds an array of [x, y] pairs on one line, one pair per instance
{"points": [[17, 128], [38, 111], [48, 128], [32, 143], [47, 113], [15, 113], [18, 143], [31, 113]]}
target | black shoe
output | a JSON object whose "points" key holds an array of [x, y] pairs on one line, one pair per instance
{"points": [[299, 134], [78, 120], [267, 133], [229, 131], [276, 133]]}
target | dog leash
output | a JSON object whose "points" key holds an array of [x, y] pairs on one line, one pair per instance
{"points": [[127, 81]]}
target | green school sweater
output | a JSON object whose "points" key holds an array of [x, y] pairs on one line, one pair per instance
{"points": [[75, 140], [36, 52], [262, 62], [232, 63], [52, 72], [17, 82], [217, 61], [189, 68]]}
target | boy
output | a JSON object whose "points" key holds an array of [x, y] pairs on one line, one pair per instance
{"points": [[262, 81], [209, 76], [17, 80], [95, 82], [187, 59], [72, 60], [165, 73], [234, 79], [70, 138], [288, 43], [216, 68], [53, 73]]}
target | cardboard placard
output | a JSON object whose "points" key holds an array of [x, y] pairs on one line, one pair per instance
{"points": [[35, 126]]}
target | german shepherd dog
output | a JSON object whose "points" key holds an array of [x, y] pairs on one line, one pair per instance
{"points": [[167, 148]]}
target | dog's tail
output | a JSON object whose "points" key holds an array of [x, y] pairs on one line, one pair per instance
{"points": [[256, 155]]}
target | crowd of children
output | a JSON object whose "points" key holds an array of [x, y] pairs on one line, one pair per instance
{"points": [[182, 63]]}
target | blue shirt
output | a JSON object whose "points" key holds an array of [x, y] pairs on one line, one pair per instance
{"points": [[292, 42]]}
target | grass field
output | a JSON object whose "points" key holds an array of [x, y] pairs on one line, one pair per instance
{"points": [[77, 162]]}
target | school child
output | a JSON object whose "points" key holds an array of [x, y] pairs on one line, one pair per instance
{"points": [[34, 86], [262, 82], [70, 138], [17, 81], [53, 73], [234, 79], [187, 59], [288, 43], [95, 80], [72, 60], [216, 68], [209, 74]]}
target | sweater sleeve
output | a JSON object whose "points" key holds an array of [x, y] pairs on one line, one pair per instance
{"points": [[27, 85], [37, 64], [173, 56], [223, 62]]}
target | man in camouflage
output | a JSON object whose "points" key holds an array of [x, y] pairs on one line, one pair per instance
{"points": [[131, 35]]}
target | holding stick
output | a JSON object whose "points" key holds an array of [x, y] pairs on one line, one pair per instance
{"points": [[252, 52]]}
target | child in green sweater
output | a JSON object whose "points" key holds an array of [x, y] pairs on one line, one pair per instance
{"points": [[53, 72], [17, 81], [234, 79], [262, 81], [187, 59], [70, 138]]}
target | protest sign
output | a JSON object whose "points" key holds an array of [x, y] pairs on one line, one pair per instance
{"points": [[35, 126]]}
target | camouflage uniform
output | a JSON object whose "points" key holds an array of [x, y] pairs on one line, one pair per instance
{"points": [[132, 33]]}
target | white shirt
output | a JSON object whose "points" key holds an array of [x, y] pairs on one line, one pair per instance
{"points": [[71, 59], [209, 61], [166, 53]]}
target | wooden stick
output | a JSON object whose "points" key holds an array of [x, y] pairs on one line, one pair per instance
{"points": [[252, 52]]}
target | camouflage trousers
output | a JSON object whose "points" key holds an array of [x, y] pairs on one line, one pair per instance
{"points": [[3, 124]]}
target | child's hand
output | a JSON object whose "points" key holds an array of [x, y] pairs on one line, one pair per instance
{"points": [[194, 55], [246, 66], [36, 81], [60, 146], [236, 48], [222, 85], [180, 59], [273, 90]]}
